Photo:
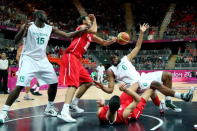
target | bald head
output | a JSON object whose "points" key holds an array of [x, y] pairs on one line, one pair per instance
{"points": [[3, 56]]}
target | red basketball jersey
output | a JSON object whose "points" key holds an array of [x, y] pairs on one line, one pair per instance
{"points": [[79, 45]]}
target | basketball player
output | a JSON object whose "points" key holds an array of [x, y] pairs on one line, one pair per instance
{"points": [[124, 72], [72, 72], [27, 89], [124, 108], [34, 62]]}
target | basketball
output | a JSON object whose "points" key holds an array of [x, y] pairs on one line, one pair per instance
{"points": [[123, 38]]}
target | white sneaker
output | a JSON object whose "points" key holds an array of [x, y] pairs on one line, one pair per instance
{"points": [[3, 117], [66, 117], [51, 111], [195, 126], [169, 104], [76, 109], [28, 98]]}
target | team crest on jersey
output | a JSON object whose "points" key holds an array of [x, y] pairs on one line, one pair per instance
{"points": [[22, 78], [124, 67]]}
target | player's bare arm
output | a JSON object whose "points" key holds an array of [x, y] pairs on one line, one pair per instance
{"points": [[70, 34], [19, 50], [137, 48], [22, 32], [102, 41], [93, 28], [111, 83]]}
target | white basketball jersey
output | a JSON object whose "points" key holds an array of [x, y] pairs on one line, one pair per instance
{"points": [[36, 41], [125, 72]]}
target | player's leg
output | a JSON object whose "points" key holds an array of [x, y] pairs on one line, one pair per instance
{"points": [[46, 75], [65, 113], [27, 97], [136, 107], [82, 89], [169, 92], [167, 81], [69, 76], [85, 82], [23, 79], [5, 82], [10, 100], [35, 89]]}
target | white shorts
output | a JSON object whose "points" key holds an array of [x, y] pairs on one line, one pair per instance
{"points": [[30, 68], [146, 79]]}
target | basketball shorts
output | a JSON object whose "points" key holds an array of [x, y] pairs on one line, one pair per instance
{"points": [[146, 79], [72, 72], [30, 68]]}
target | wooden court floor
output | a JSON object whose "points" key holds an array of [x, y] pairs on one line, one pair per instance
{"points": [[92, 94]]}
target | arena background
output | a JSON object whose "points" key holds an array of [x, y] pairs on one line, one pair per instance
{"points": [[170, 44]]}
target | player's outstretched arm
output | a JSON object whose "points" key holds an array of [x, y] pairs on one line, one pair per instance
{"points": [[70, 34], [93, 28], [137, 48], [22, 33], [102, 41], [111, 83]]}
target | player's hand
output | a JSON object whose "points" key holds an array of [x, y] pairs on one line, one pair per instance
{"points": [[122, 87], [25, 28], [144, 27], [98, 85], [114, 39], [100, 102], [92, 17]]}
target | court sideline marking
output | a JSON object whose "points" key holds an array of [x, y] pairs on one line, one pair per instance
{"points": [[154, 128]]}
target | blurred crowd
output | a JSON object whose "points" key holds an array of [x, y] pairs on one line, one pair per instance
{"points": [[183, 22], [111, 21]]}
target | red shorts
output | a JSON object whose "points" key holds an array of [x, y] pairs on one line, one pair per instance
{"points": [[72, 72]]}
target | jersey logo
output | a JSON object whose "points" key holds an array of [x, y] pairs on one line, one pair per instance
{"points": [[22, 78], [124, 67]]}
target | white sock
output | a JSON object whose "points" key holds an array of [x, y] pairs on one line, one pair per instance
{"points": [[65, 108], [6, 108], [177, 95], [34, 87], [168, 97], [37, 89], [75, 101], [50, 103]]}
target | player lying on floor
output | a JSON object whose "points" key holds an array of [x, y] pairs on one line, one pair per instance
{"points": [[124, 108]]}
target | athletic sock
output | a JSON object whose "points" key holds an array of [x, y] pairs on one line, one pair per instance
{"points": [[6, 108], [168, 98], [75, 101], [177, 95], [65, 108], [50, 103]]}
